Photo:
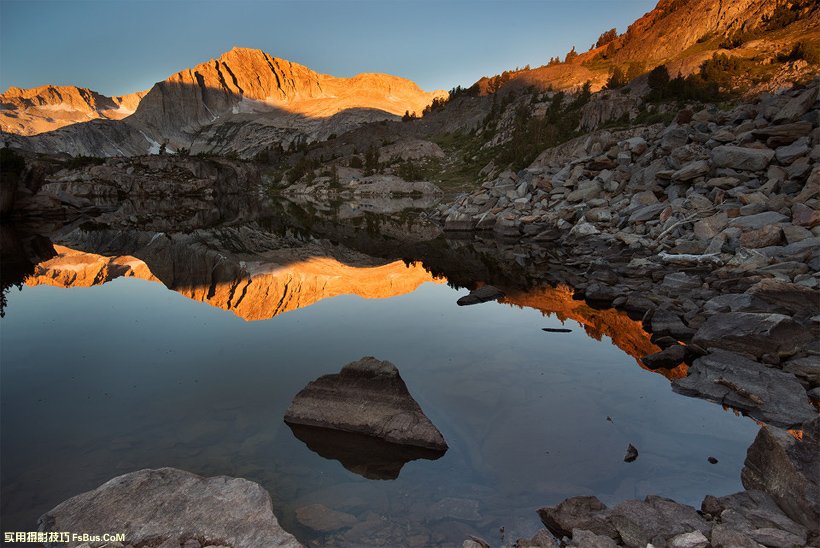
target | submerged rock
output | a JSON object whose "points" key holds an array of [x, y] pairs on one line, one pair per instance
{"points": [[169, 507], [323, 519], [368, 397]]}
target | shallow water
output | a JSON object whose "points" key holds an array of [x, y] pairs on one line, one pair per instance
{"points": [[99, 381]]}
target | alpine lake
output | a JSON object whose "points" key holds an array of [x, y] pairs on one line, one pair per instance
{"points": [[180, 338]]}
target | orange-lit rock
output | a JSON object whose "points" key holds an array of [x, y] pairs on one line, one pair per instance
{"points": [[45, 108], [626, 334]]}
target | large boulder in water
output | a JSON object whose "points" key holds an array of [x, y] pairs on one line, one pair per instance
{"points": [[169, 507], [368, 397]]}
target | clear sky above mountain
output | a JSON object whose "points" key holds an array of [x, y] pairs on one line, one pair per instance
{"points": [[121, 46]]}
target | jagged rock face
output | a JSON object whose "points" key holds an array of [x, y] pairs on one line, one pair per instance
{"points": [[46, 108], [171, 507], [241, 102]]}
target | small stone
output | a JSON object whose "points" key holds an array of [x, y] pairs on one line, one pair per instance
{"points": [[482, 294], [695, 539], [631, 453], [712, 460]]}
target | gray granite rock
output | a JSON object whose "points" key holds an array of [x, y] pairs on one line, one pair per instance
{"points": [[753, 333], [169, 507], [369, 397], [788, 470], [728, 378]]}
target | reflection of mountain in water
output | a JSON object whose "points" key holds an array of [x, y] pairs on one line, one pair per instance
{"points": [[626, 333], [284, 256], [260, 291], [367, 456]]}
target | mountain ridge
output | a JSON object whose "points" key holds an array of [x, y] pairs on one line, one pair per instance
{"points": [[44, 108], [276, 101]]}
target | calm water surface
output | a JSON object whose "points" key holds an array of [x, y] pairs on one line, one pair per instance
{"points": [[100, 381]]}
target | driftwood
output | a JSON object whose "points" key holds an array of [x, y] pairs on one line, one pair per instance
{"points": [[689, 258]]}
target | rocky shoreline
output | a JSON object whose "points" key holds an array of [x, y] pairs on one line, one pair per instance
{"points": [[711, 236]]}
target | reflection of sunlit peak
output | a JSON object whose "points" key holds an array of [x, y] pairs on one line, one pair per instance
{"points": [[260, 290], [626, 333], [70, 268], [308, 281]]}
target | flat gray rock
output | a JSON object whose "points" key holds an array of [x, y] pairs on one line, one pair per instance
{"points": [[753, 333], [743, 158], [368, 397], [166, 505], [767, 394]]}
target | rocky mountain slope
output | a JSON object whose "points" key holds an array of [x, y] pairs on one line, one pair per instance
{"points": [[682, 34], [239, 103], [46, 108]]}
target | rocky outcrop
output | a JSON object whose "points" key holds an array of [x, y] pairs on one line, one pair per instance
{"points": [[767, 394], [169, 507], [654, 520], [242, 102], [366, 397], [786, 465]]}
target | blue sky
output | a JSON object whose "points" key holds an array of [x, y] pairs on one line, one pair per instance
{"points": [[120, 46]]}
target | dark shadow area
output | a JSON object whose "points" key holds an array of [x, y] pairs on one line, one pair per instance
{"points": [[366, 456]]}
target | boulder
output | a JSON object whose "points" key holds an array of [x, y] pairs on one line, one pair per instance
{"points": [[171, 507], [758, 220], [788, 469], [655, 520], [762, 237], [368, 397], [587, 513], [753, 333], [667, 358], [742, 158], [767, 394], [749, 518], [691, 171], [668, 324]]}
